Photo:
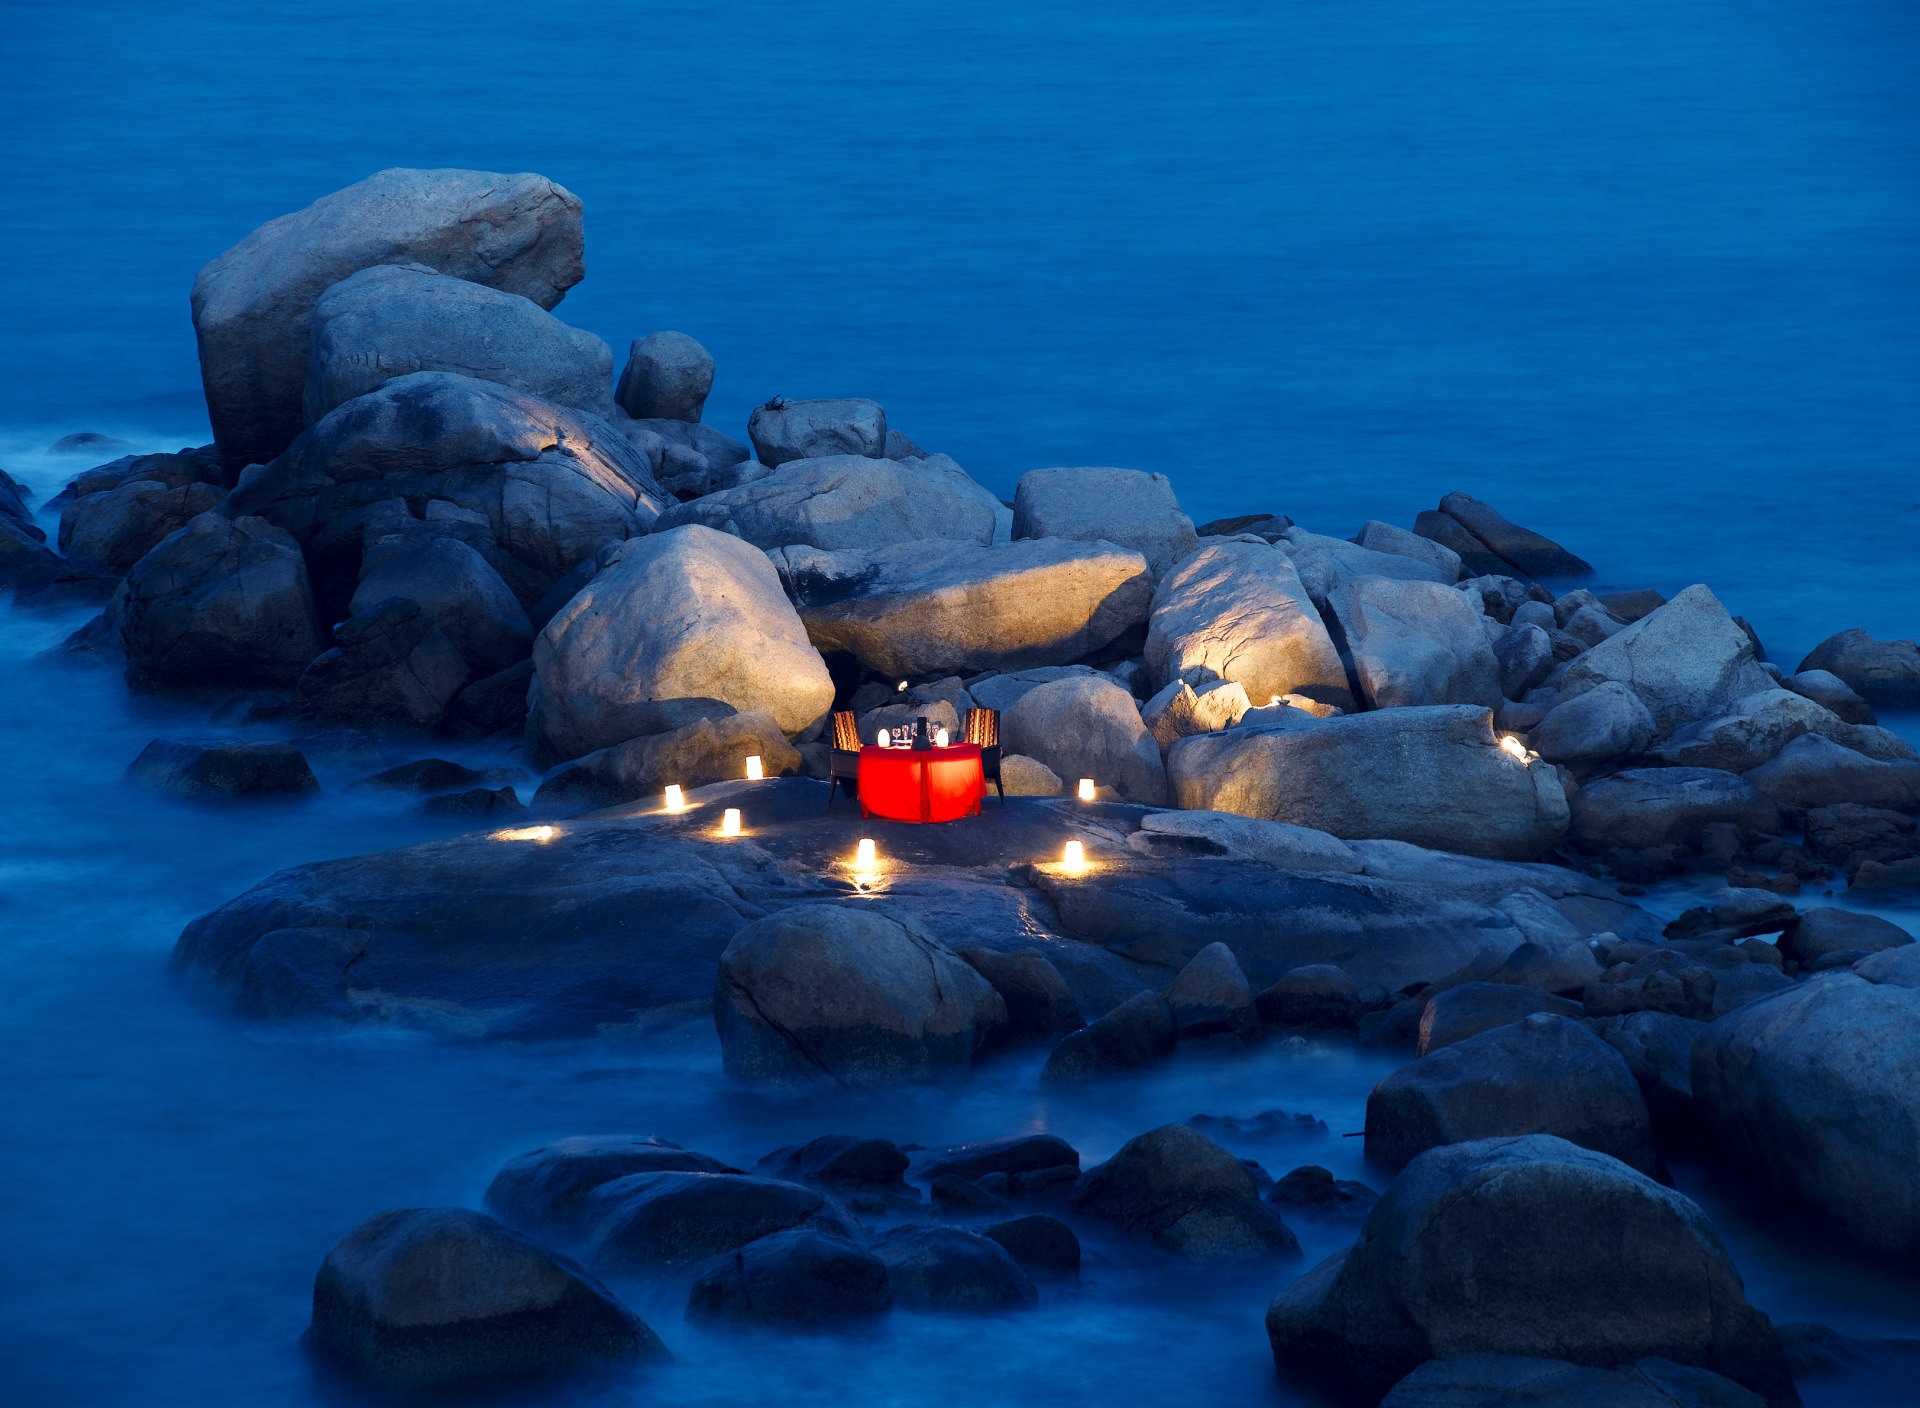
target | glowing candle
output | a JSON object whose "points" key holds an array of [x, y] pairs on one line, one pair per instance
{"points": [[1274, 700], [530, 833], [885, 739], [730, 822], [940, 738], [676, 800], [901, 686], [755, 770], [1515, 747], [1086, 791], [864, 858], [1076, 857]]}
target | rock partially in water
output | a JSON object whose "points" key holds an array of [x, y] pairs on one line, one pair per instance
{"points": [[425, 1298], [1042, 1245], [1025, 1153], [205, 772], [118, 528], [498, 803], [1812, 771], [1040, 1005], [841, 1161], [645, 1221], [1313, 1190], [794, 1279], [1883, 673], [1658, 1050], [1471, 1008], [1543, 1074], [1524, 1246], [1312, 997], [1180, 1191], [952, 1269], [1211, 996], [1832, 693], [545, 1191], [1533, 554], [429, 775], [1819, 932], [1643, 808], [1137, 1033]]}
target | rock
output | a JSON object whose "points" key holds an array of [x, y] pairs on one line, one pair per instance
{"points": [[1271, 843], [392, 320], [205, 772], [1756, 728], [496, 704], [425, 1298], [1475, 556], [427, 775], [460, 593], [545, 1191], [1324, 563], [1646, 807], [1819, 932], [118, 528], [1736, 987], [1812, 771], [784, 430], [841, 1161], [1564, 969], [1605, 723], [1003, 691], [23, 550], [90, 442], [680, 615], [1040, 1006], [667, 377], [1314, 1190], [1177, 711], [253, 306], [499, 802], [1528, 1245], [1476, 1379], [1260, 525], [1022, 1154], [1471, 1008], [176, 470], [1884, 673], [1021, 776], [219, 602], [1894, 967], [847, 502], [1658, 1050], [791, 1279], [555, 485], [1376, 536], [1239, 612], [1177, 1189], [1314, 996], [693, 755], [1434, 776], [390, 664], [695, 459], [1089, 727], [641, 1221], [1659, 981], [914, 609], [1415, 643], [1830, 692], [1042, 1245], [819, 992], [1542, 1074], [1525, 657], [952, 1269], [1534, 555], [1137, 1033], [1687, 661], [1211, 995], [1122, 506], [1810, 1089]]}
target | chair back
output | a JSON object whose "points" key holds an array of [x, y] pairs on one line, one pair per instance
{"points": [[983, 727], [846, 731]]}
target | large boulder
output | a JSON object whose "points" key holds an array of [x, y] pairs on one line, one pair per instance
{"points": [[1415, 643], [1755, 729], [667, 377], [1237, 611], [1832, 693], [425, 1298], [1476, 1379], [1136, 1033], [1468, 1009], [1529, 1246], [822, 992], [555, 485], [913, 609], [1177, 711], [1177, 1189], [1040, 1005], [1812, 1090], [205, 772], [1605, 723], [798, 1278], [641, 1221], [456, 588], [119, 527], [1124, 506], [396, 319], [390, 664], [950, 1268], [1642, 808], [1813, 771], [707, 750], [1819, 932], [1434, 776], [223, 601], [1885, 673], [686, 614], [545, 1190], [1325, 562], [1687, 661], [1534, 555], [784, 430], [1544, 1074], [1376, 536], [1211, 995], [1089, 727], [253, 306], [842, 502]]}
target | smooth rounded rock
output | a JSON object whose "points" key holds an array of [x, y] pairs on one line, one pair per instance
{"points": [[1177, 1189], [952, 1269], [643, 1221], [1124, 506], [667, 377], [545, 1190], [795, 1279]]}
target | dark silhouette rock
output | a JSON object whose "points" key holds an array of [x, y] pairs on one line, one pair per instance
{"points": [[1177, 1189], [796, 1279], [951, 1269], [204, 772]]}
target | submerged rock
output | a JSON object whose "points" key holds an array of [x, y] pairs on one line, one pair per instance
{"points": [[1884, 673], [545, 1191], [798, 1278], [1177, 1189], [215, 771], [421, 1298], [1042, 1245], [952, 1269], [647, 1220]]}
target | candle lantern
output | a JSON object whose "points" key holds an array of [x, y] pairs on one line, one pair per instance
{"points": [[1086, 789], [676, 800], [864, 857], [885, 739], [755, 769], [730, 822], [1076, 856], [940, 738], [1515, 747]]}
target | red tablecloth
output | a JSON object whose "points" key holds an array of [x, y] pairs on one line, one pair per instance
{"points": [[932, 784]]}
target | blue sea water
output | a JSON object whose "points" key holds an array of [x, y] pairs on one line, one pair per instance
{"points": [[1645, 276]]}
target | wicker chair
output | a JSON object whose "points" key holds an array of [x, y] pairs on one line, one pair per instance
{"points": [[843, 762], [983, 727]]}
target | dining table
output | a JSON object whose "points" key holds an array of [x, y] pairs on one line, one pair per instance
{"points": [[921, 784]]}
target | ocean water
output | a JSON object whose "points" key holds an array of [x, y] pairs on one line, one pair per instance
{"points": [[1641, 275]]}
